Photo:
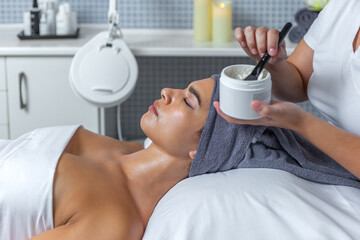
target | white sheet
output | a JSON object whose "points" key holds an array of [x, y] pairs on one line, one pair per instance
{"points": [[3, 143], [255, 204]]}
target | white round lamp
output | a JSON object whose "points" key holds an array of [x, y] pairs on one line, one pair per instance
{"points": [[104, 71]]}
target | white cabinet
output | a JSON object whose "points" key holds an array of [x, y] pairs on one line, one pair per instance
{"points": [[39, 95], [2, 74], [4, 127]]}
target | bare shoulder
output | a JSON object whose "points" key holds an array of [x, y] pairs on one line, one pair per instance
{"points": [[87, 143]]}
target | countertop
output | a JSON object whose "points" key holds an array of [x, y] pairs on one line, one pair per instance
{"points": [[143, 42]]}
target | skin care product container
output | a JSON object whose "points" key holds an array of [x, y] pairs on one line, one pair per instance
{"points": [[44, 27], [222, 21], [27, 24], [236, 94], [202, 24], [35, 19], [74, 23], [63, 20], [50, 10]]}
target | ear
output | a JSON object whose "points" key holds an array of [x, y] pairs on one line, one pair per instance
{"points": [[192, 154]]}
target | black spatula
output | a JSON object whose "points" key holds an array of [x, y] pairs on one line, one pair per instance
{"points": [[263, 61]]}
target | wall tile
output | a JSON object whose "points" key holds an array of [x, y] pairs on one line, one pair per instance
{"points": [[164, 13]]}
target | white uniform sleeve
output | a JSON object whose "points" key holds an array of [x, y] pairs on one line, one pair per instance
{"points": [[311, 36]]}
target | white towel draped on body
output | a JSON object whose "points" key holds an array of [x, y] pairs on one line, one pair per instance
{"points": [[27, 167]]}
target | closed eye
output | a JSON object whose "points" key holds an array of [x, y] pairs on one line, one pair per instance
{"points": [[187, 103]]}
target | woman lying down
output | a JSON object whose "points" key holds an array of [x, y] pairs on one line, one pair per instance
{"points": [[69, 183]]}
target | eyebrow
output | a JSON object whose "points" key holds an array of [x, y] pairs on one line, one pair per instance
{"points": [[196, 94]]}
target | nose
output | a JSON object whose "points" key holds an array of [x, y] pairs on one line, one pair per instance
{"points": [[166, 95]]}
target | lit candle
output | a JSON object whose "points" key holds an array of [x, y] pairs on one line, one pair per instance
{"points": [[222, 21], [202, 20]]}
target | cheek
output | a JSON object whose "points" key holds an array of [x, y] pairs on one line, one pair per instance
{"points": [[175, 125], [175, 131], [172, 124], [181, 126], [177, 122]]}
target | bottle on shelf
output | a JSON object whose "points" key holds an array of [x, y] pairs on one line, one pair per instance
{"points": [[63, 20], [35, 18], [50, 10]]}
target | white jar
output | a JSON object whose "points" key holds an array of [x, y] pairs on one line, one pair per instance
{"points": [[236, 95]]}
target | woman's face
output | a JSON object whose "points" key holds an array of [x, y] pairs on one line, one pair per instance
{"points": [[175, 121]]}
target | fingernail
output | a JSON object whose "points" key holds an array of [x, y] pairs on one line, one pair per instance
{"points": [[254, 51], [272, 50], [243, 44], [258, 107], [237, 33]]}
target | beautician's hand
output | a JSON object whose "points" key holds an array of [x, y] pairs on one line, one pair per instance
{"points": [[277, 114], [256, 42]]}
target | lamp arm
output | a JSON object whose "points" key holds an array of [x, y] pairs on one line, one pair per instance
{"points": [[112, 8], [113, 17]]}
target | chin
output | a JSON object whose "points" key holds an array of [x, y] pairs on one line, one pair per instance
{"points": [[145, 124]]}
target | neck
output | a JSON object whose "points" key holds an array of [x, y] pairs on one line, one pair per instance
{"points": [[151, 173]]}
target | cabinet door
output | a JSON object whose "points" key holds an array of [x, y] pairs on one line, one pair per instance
{"points": [[2, 74], [40, 95], [4, 127]]}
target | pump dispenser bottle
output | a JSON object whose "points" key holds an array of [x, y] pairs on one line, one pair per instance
{"points": [[50, 10], [63, 20], [35, 18]]}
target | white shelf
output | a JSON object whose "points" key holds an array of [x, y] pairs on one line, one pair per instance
{"points": [[143, 42]]}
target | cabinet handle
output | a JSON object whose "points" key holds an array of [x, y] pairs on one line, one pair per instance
{"points": [[22, 80]]}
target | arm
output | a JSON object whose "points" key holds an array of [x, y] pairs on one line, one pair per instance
{"points": [[99, 228], [339, 144], [63, 232], [290, 77]]}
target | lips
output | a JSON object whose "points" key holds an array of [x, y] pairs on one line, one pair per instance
{"points": [[154, 109]]}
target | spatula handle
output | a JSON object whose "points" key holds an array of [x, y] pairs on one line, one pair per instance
{"points": [[284, 32]]}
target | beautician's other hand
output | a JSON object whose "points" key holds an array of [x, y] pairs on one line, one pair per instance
{"points": [[256, 42], [277, 114]]}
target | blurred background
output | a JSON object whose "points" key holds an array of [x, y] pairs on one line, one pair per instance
{"points": [[157, 72], [164, 13]]}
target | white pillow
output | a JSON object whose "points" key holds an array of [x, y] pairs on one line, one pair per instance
{"points": [[255, 204]]}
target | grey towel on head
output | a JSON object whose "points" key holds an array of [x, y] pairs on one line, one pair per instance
{"points": [[224, 146]]}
